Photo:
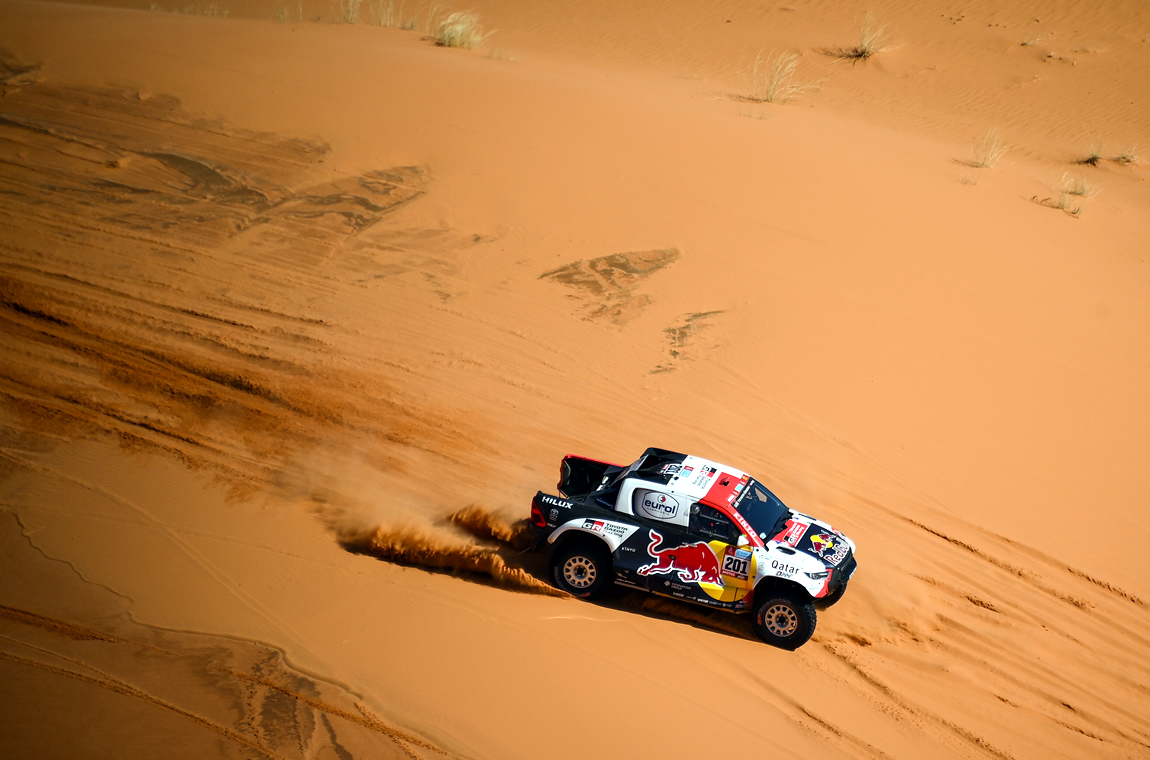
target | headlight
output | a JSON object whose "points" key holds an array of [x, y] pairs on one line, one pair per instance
{"points": [[818, 576]]}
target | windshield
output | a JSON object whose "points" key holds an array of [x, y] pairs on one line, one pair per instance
{"points": [[762, 509]]}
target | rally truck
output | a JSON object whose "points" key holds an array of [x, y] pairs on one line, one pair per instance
{"points": [[689, 528]]}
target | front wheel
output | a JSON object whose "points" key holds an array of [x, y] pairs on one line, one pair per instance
{"points": [[784, 618], [830, 599], [582, 569]]}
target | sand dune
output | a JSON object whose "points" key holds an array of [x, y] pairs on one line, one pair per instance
{"points": [[297, 316]]}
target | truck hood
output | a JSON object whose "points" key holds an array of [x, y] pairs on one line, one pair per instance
{"points": [[816, 538]]}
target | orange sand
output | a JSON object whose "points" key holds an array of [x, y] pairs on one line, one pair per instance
{"points": [[269, 290]]}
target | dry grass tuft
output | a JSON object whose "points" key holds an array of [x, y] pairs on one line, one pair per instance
{"points": [[1077, 186], [346, 11], [1093, 158], [283, 15], [872, 40], [772, 78], [384, 12], [460, 29], [1066, 189], [433, 10], [1127, 156], [988, 150]]}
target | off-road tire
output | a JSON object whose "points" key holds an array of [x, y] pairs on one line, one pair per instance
{"points": [[582, 569], [784, 618], [831, 599]]}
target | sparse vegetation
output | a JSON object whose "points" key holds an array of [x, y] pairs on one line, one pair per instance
{"points": [[460, 29], [1070, 185], [1066, 189], [988, 150], [772, 78], [1093, 158], [1127, 156], [346, 11], [195, 9], [871, 40], [433, 10], [384, 12]]}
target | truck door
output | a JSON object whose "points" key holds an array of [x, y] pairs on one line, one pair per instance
{"points": [[665, 565], [733, 566]]}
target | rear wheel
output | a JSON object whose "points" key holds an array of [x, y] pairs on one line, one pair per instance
{"points": [[784, 618], [582, 569]]}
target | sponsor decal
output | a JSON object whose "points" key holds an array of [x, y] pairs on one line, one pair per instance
{"points": [[743, 524], [822, 543], [783, 569], [615, 530], [735, 566], [670, 469], [553, 502], [554, 516], [742, 553], [658, 506], [704, 477], [830, 548], [840, 552], [694, 563], [793, 533]]}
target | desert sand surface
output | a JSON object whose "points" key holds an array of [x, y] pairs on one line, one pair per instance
{"points": [[297, 315]]}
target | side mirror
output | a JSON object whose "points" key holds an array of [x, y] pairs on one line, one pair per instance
{"points": [[743, 541]]}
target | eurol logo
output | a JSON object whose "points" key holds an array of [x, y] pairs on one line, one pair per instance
{"points": [[658, 506]]}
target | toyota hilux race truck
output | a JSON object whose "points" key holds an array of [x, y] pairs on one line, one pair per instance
{"points": [[689, 528]]}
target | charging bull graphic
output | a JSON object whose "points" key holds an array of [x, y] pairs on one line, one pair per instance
{"points": [[822, 543], [695, 563]]}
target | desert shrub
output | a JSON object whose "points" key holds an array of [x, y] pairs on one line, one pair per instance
{"points": [[384, 12], [346, 11], [460, 29], [872, 38], [1127, 156], [772, 78], [988, 149], [1070, 185], [1093, 157]]}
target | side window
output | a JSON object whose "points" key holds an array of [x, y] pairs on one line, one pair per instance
{"points": [[712, 524]]}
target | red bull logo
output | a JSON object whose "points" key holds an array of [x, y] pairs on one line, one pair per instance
{"points": [[695, 563], [822, 543]]}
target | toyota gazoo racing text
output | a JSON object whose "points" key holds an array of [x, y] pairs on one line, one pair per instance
{"points": [[693, 529]]}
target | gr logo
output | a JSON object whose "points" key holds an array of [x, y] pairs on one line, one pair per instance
{"points": [[658, 506]]}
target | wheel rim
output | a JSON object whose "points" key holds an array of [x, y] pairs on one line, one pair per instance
{"points": [[579, 572], [781, 620]]}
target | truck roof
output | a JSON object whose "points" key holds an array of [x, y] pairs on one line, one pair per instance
{"points": [[690, 476]]}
